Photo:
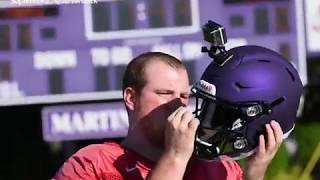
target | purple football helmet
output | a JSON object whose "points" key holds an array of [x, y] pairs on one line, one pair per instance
{"points": [[236, 100]]}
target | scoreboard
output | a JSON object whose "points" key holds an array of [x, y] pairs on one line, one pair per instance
{"points": [[61, 53], [77, 53]]}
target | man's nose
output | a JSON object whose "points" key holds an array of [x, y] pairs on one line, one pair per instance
{"points": [[176, 103], [182, 99]]}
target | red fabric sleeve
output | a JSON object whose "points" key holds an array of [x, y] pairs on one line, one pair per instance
{"points": [[86, 164], [234, 171]]}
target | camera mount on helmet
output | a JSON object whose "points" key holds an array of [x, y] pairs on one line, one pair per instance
{"points": [[215, 34]]}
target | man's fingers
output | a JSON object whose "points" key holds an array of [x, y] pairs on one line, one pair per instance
{"points": [[262, 145], [181, 117], [277, 131], [172, 115], [271, 142], [186, 118], [193, 124]]}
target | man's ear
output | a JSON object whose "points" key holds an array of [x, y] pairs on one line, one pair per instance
{"points": [[129, 97]]}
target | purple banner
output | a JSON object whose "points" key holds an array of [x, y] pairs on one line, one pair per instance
{"points": [[89, 121]]}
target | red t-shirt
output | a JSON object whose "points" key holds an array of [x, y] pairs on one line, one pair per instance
{"points": [[110, 161]]}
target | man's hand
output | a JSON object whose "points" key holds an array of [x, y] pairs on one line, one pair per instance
{"points": [[179, 143], [257, 165], [180, 133]]}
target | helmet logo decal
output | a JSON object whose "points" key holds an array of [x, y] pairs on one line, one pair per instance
{"points": [[206, 87]]}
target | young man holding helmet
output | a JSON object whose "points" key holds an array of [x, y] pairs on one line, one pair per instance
{"points": [[166, 141]]}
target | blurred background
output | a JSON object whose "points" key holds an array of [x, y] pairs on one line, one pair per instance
{"points": [[62, 61]]}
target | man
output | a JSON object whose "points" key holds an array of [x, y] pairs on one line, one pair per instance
{"points": [[161, 135]]}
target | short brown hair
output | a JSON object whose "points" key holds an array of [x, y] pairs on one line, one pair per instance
{"points": [[134, 75]]}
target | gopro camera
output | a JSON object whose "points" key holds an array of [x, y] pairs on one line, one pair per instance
{"points": [[215, 34]]}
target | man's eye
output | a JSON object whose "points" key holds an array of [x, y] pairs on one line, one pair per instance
{"points": [[164, 93]]}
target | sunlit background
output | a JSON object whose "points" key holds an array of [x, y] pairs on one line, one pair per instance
{"points": [[62, 61]]}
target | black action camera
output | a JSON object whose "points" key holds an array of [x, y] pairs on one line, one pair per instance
{"points": [[215, 34]]}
